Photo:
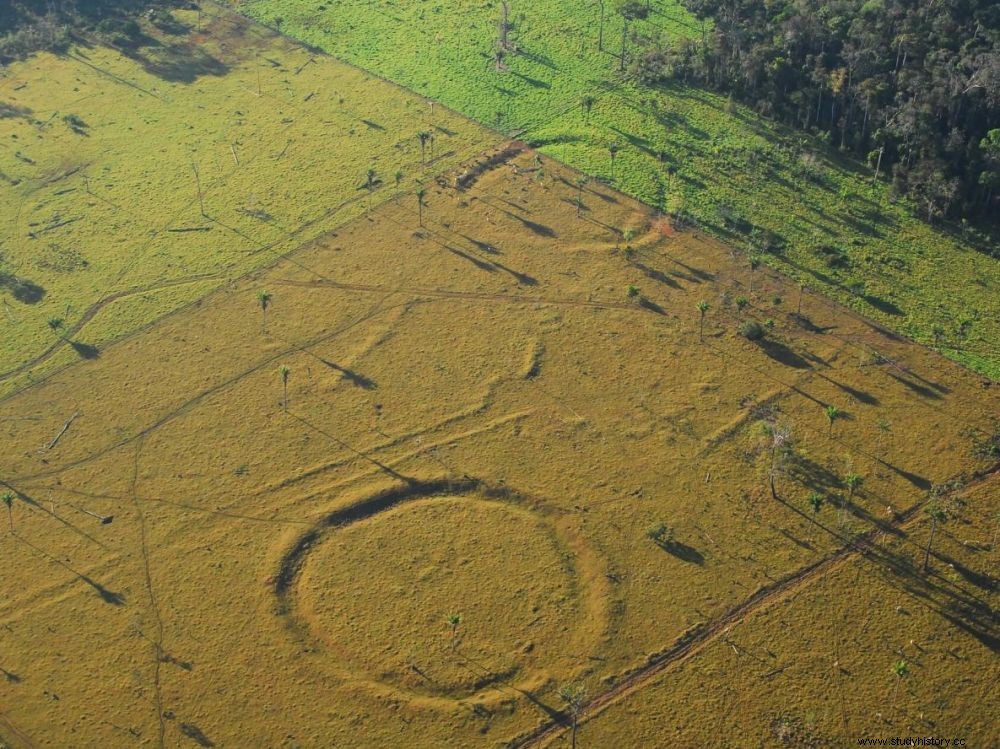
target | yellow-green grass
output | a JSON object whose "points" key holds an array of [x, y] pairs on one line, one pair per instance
{"points": [[491, 376], [104, 217], [820, 669], [680, 147]]}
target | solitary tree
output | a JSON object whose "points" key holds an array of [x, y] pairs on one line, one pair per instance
{"points": [[632, 291], [56, 324], [264, 300], [600, 28], [588, 102], [284, 371], [937, 515], [660, 534], [779, 443], [613, 149], [398, 176], [423, 136], [832, 414], [453, 621], [574, 696], [630, 10], [421, 194], [741, 304], [702, 309], [8, 499]]}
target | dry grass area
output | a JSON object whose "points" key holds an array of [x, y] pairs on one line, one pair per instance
{"points": [[483, 420]]}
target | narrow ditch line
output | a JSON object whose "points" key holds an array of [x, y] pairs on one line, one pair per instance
{"points": [[153, 603]]}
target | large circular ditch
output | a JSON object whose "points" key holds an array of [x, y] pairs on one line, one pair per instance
{"points": [[377, 588]]}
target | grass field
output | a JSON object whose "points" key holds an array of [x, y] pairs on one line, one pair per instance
{"points": [[102, 223], [444, 515], [679, 146]]}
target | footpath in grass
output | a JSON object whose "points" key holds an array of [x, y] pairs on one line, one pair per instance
{"points": [[136, 180], [768, 190]]}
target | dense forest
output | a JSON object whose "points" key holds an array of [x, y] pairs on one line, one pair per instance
{"points": [[27, 26], [913, 87]]}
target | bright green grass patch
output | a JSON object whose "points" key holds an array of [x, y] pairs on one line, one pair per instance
{"points": [[102, 154], [679, 145]]}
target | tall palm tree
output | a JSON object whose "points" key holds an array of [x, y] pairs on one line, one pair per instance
{"points": [[284, 371], [702, 309], [574, 696], [423, 136], [580, 184], [264, 300], [56, 324], [754, 265], [8, 499], [600, 28], [588, 102], [613, 149], [832, 414], [453, 621], [937, 515]]}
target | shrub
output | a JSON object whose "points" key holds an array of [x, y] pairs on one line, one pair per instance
{"points": [[752, 330]]}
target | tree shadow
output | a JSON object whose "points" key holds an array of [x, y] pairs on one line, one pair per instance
{"points": [[24, 291], [196, 734], [782, 354], [657, 275], [10, 676], [351, 376], [883, 305], [683, 552], [178, 62], [85, 350], [652, 306]]}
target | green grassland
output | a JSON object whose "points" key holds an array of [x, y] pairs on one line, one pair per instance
{"points": [[817, 216], [101, 226]]}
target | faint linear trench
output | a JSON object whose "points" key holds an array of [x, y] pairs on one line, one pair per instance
{"points": [[482, 296]]}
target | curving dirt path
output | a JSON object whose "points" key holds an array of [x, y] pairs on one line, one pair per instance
{"points": [[697, 639], [92, 312]]}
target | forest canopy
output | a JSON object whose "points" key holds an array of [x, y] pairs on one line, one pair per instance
{"points": [[911, 87]]}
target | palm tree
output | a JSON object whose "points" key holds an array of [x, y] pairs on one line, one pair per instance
{"points": [[8, 499], [423, 136], [264, 300], [284, 371], [741, 304], [816, 501], [56, 324], [832, 414], [632, 291], [902, 669], [798, 310], [613, 148], [574, 696], [580, 184], [937, 515], [421, 193], [398, 176], [852, 481], [588, 102], [702, 309], [453, 621]]}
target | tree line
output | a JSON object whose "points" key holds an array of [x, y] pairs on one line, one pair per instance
{"points": [[911, 87]]}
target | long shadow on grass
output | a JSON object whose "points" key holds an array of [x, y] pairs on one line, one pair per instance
{"points": [[108, 596]]}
